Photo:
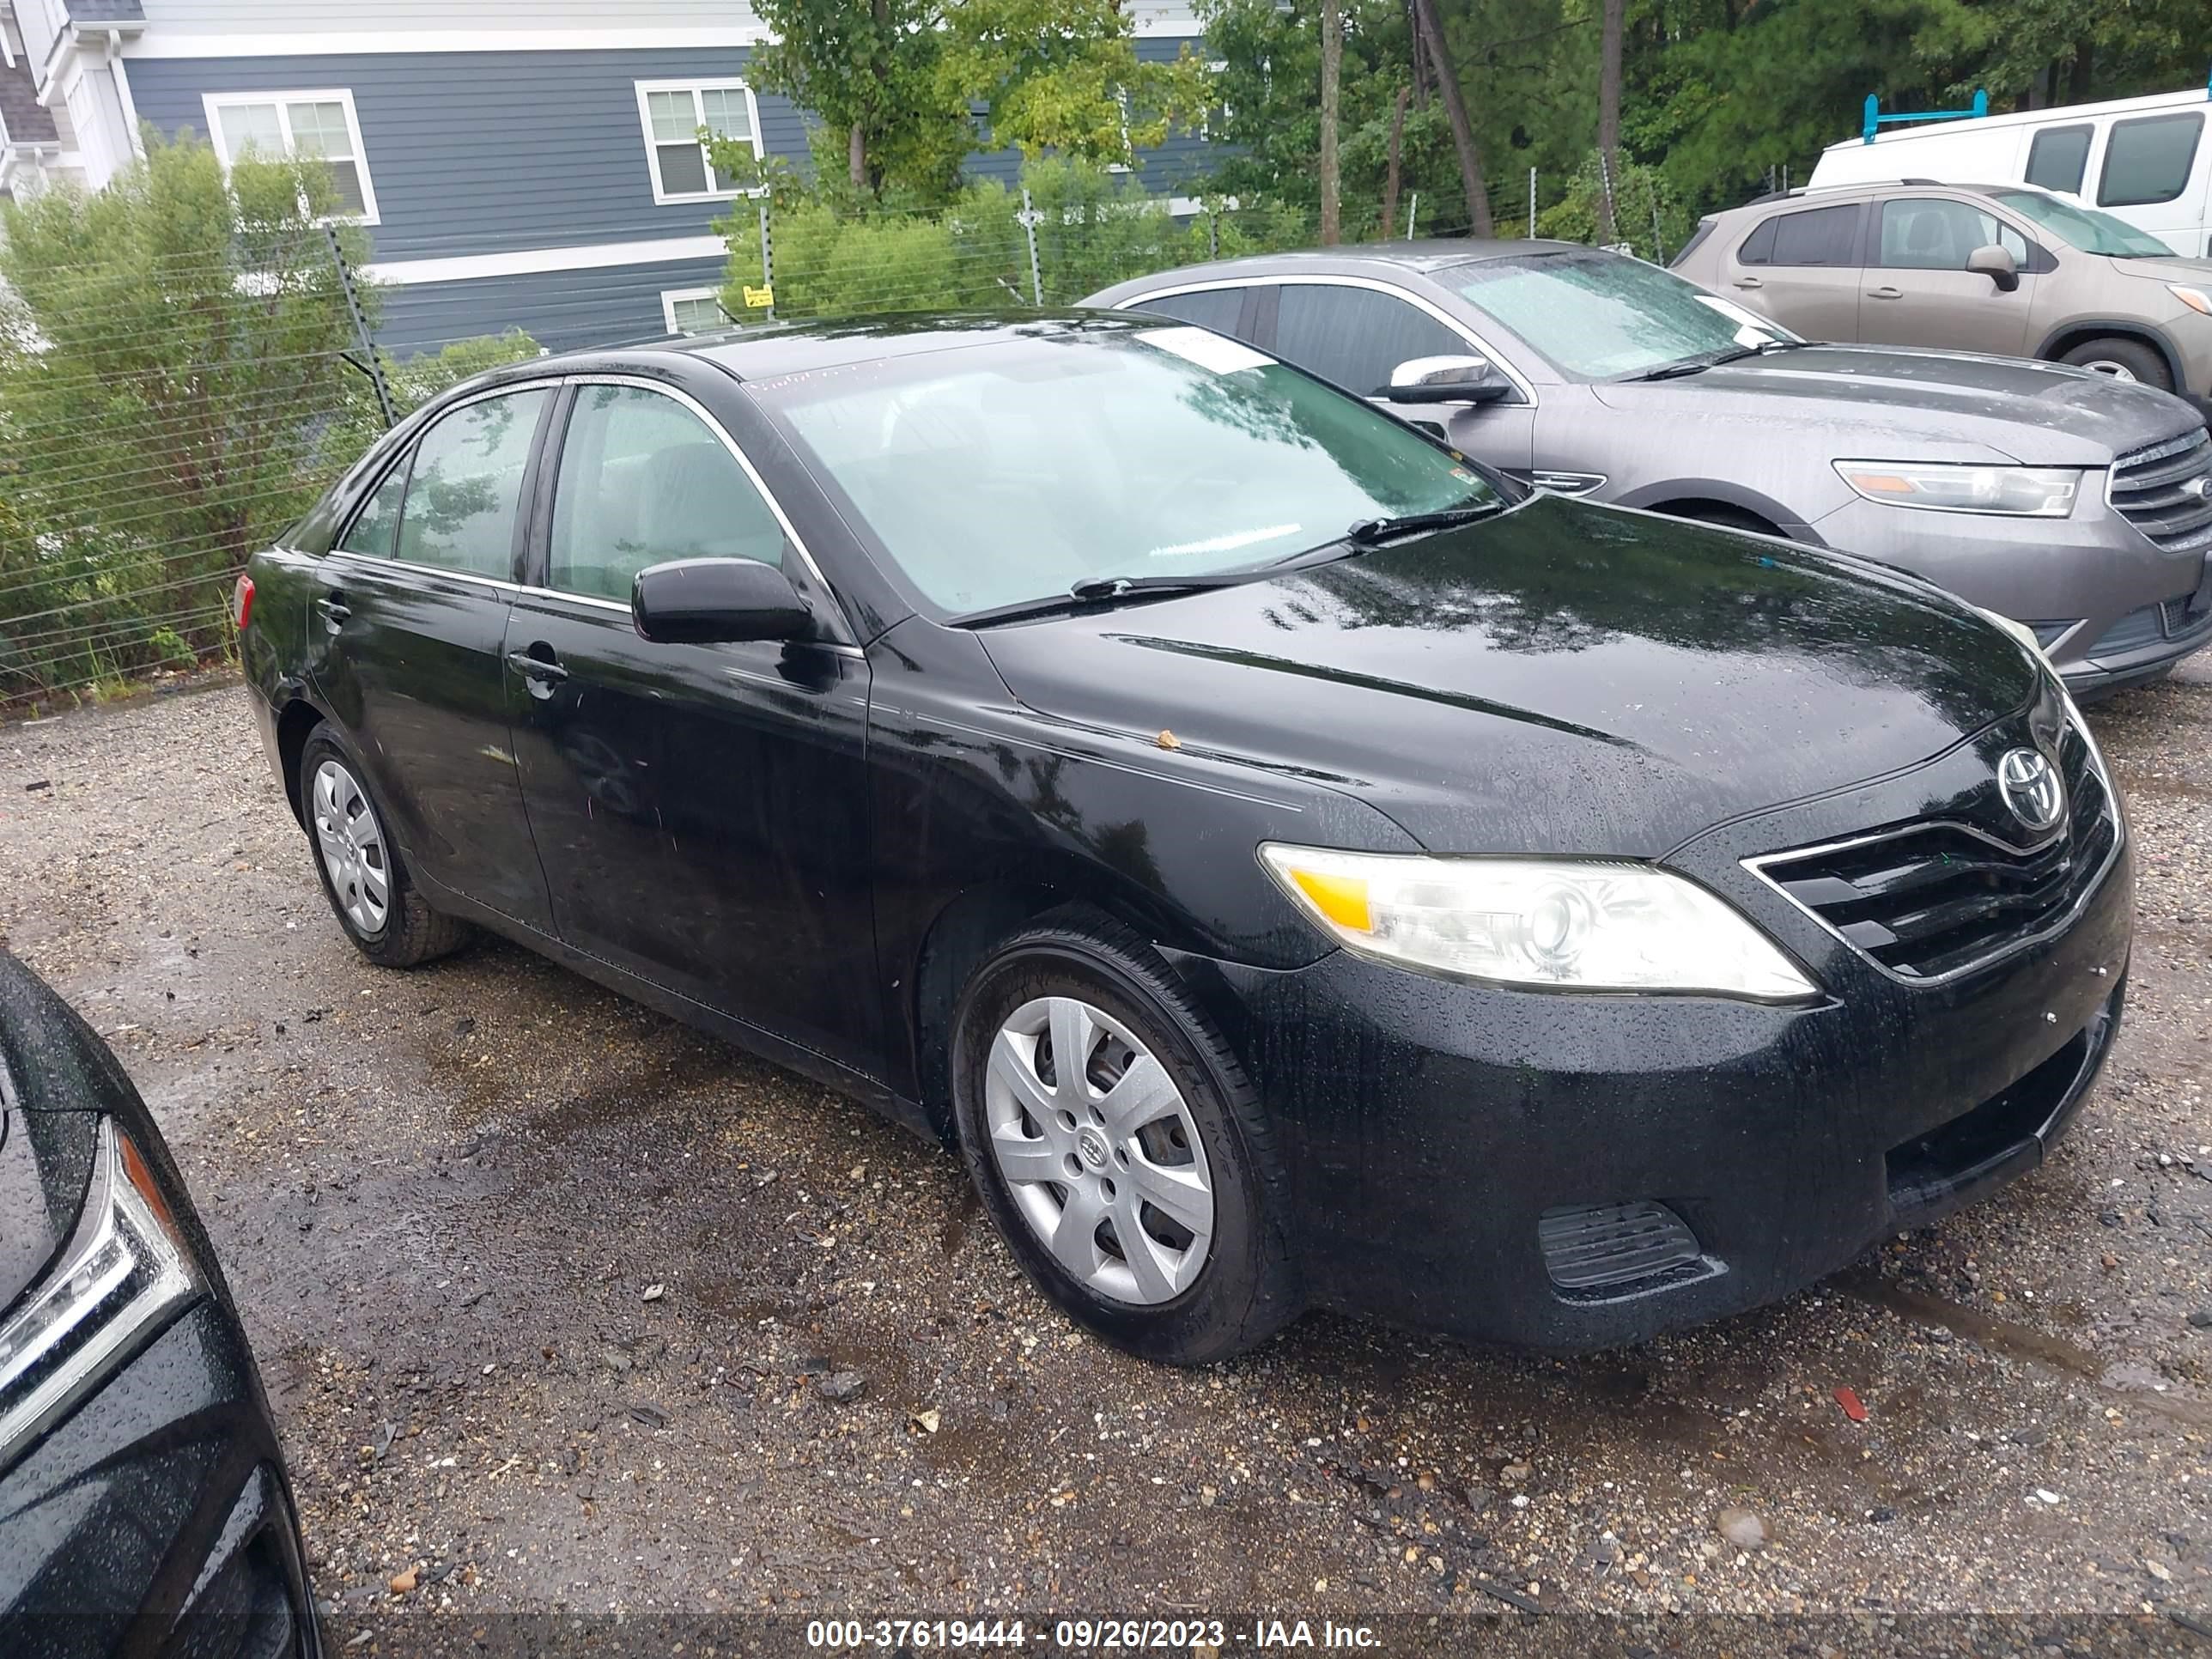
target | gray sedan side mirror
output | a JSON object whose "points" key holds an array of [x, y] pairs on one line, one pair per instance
{"points": [[1469, 379], [1997, 265], [717, 601]]}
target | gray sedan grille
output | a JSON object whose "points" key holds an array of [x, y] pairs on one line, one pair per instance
{"points": [[2166, 490]]}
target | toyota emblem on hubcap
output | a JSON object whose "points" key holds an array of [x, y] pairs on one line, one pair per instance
{"points": [[2031, 787]]}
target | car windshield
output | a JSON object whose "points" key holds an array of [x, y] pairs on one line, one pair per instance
{"points": [[1009, 472], [2085, 227], [1599, 316]]}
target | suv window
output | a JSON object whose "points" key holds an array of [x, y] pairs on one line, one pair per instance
{"points": [[2147, 160], [1355, 336], [465, 495], [644, 480], [1217, 309], [2058, 156], [1937, 233], [1811, 236]]}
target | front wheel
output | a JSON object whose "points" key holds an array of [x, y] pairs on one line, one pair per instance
{"points": [[1118, 1147], [363, 876], [2124, 360]]}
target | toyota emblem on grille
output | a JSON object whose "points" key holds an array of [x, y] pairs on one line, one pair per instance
{"points": [[2031, 787]]}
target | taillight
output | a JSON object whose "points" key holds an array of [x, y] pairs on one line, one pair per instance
{"points": [[241, 603]]}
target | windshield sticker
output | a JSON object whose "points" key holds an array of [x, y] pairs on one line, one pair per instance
{"points": [[1208, 351]]}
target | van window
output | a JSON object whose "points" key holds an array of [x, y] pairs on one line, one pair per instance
{"points": [[2058, 158], [2147, 160], [1823, 236]]}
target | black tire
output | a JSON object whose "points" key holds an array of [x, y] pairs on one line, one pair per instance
{"points": [[1246, 1289], [2141, 362], [411, 932]]}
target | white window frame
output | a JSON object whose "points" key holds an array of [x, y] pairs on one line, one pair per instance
{"points": [[217, 102], [727, 84], [671, 297]]}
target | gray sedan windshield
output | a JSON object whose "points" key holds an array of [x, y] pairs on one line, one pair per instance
{"points": [[1600, 316], [997, 474]]}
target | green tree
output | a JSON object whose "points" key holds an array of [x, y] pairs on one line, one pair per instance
{"points": [[872, 71]]}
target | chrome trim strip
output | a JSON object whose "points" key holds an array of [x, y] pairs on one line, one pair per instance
{"points": [[1375, 283], [2003, 953]]}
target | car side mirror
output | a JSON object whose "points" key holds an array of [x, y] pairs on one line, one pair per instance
{"points": [[1997, 265], [1469, 379], [717, 601]]}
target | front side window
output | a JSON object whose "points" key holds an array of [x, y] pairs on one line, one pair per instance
{"points": [[1937, 233], [2149, 160], [1599, 316], [644, 480], [2058, 157], [1006, 471], [314, 125], [465, 495], [675, 113], [2085, 227], [1355, 337]]}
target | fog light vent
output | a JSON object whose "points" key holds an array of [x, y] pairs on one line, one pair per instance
{"points": [[1603, 1247]]}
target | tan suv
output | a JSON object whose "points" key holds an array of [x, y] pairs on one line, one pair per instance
{"points": [[2009, 270]]}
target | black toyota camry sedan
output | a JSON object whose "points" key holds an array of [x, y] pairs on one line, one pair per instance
{"points": [[1294, 866], [144, 1504]]}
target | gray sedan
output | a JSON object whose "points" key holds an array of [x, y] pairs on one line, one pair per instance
{"points": [[2077, 504]]}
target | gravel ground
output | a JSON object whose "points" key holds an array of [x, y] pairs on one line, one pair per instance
{"points": [[564, 1309]]}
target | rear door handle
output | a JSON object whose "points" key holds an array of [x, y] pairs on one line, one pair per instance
{"points": [[1749, 282], [335, 611], [1885, 292]]}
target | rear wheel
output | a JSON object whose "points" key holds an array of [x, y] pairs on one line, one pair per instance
{"points": [[363, 876], [2124, 360], [1118, 1147]]}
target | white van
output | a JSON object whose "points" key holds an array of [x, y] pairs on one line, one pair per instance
{"points": [[2147, 160]]}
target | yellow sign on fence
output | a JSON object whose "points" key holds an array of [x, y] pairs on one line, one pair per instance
{"points": [[760, 296]]}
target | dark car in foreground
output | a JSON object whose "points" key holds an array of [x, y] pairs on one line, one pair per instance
{"points": [[1294, 866], [2077, 505], [144, 1507]]}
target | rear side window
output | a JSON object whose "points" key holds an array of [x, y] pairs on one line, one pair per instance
{"points": [[1758, 248], [376, 529], [1937, 233], [464, 495], [2058, 157], [644, 480], [1217, 309], [1355, 337], [1820, 236], [2147, 160]]}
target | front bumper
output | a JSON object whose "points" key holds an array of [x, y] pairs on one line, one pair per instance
{"points": [[1450, 1147], [2120, 597], [156, 1518]]}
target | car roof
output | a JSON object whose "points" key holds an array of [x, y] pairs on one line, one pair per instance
{"points": [[1813, 195], [1441, 254], [767, 350]]}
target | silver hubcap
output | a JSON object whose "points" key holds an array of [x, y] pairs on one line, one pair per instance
{"points": [[2107, 366], [352, 843], [1098, 1149]]}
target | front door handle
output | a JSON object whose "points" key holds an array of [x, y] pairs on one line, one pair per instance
{"points": [[1749, 282], [1885, 292], [540, 674]]}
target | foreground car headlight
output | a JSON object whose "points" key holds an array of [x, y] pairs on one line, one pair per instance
{"points": [[2034, 492], [125, 1269], [1571, 925]]}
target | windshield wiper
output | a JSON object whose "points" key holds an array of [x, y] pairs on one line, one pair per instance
{"points": [[1368, 532], [1699, 365], [1094, 591]]}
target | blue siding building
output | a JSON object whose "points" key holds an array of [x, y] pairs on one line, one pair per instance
{"points": [[526, 164]]}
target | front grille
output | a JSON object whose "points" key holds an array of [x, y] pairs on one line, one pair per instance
{"points": [[1609, 1248], [1931, 899], [2156, 490]]}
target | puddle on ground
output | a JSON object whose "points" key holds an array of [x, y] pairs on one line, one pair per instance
{"points": [[963, 1218], [2003, 1336]]}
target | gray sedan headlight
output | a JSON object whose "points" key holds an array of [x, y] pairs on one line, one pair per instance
{"points": [[1547, 924], [125, 1269], [2034, 492]]}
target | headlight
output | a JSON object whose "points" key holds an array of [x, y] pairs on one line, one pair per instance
{"points": [[2035, 492], [125, 1270], [2195, 298], [1547, 924]]}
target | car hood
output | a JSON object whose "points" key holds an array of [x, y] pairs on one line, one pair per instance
{"points": [[2177, 268], [1566, 678], [1898, 405]]}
